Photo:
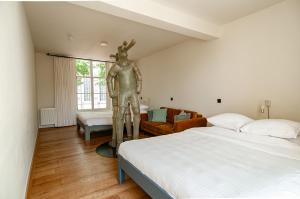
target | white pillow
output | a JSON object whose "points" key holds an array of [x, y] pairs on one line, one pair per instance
{"points": [[232, 121], [143, 106], [273, 127]]}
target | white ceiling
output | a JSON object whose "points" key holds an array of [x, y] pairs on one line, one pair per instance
{"points": [[52, 22], [218, 11]]}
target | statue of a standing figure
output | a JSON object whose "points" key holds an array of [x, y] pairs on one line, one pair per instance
{"points": [[116, 109], [129, 86]]}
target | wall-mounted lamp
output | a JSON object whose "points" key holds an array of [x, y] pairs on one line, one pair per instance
{"points": [[145, 100], [266, 105]]}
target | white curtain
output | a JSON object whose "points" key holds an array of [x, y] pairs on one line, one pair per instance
{"points": [[65, 91]]}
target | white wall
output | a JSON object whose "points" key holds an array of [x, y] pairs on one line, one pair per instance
{"points": [[18, 118], [44, 80], [257, 58]]}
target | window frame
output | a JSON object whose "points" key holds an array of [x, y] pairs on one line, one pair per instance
{"points": [[91, 76]]}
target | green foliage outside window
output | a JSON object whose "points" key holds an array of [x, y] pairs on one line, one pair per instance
{"points": [[82, 69], [102, 73]]}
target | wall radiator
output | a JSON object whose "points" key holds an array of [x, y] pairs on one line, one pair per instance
{"points": [[48, 116]]}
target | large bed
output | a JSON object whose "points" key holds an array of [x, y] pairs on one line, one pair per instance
{"points": [[212, 162]]}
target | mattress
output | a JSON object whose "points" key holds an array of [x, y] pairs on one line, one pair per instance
{"points": [[95, 118], [101, 117], [215, 162]]}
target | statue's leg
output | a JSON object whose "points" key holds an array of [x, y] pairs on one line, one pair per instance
{"points": [[128, 122], [122, 104], [135, 106], [120, 125], [114, 120]]}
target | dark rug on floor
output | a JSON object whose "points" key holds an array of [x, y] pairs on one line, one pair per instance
{"points": [[106, 150]]}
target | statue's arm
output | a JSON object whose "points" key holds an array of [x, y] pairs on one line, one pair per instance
{"points": [[138, 78], [109, 80]]}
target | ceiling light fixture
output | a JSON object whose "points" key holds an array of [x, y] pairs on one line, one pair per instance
{"points": [[103, 43]]}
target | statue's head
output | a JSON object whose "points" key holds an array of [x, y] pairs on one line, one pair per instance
{"points": [[122, 53], [116, 56], [122, 50]]}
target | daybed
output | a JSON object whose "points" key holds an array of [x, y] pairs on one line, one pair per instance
{"points": [[94, 121], [98, 121]]}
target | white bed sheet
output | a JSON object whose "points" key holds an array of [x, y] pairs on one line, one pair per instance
{"points": [[215, 162], [295, 140], [92, 118], [95, 118]]}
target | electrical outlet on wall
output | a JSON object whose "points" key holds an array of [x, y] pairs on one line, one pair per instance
{"points": [[219, 101], [171, 98]]}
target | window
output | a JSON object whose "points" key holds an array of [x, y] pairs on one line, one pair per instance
{"points": [[91, 85]]}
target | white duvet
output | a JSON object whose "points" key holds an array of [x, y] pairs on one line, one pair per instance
{"points": [[215, 162], [92, 118], [95, 118]]}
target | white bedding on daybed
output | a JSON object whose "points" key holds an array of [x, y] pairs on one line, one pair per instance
{"points": [[215, 162], [92, 118], [95, 118]]}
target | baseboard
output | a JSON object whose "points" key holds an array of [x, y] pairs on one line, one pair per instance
{"points": [[29, 181], [46, 126]]}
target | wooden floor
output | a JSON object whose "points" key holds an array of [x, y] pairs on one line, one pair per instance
{"points": [[65, 166]]}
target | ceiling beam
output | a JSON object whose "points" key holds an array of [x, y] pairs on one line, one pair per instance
{"points": [[156, 15]]}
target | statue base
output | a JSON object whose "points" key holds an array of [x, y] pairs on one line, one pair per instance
{"points": [[106, 149]]}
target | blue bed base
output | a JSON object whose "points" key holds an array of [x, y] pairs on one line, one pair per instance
{"points": [[150, 187], [89, 129]]}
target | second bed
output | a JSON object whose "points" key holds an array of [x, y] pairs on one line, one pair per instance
{"points": [[212, 162]]}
